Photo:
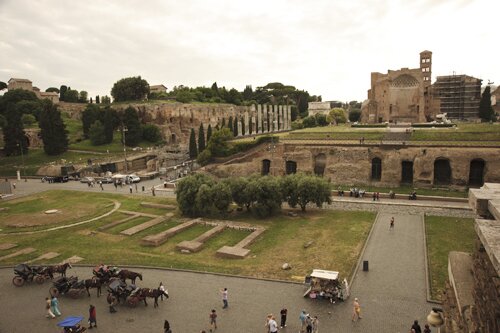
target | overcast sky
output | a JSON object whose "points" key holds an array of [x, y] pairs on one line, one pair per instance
{"points": [[325, 47]]}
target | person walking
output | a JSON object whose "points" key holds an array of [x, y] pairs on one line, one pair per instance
{"points": [[416, 327], [303, 324], [161, 288], [54, 304], [136, 188], [92, 317], [273, 326], [49, 314], [166, 327], [283, 314], [130, 188], [213, 320], [153, 191], [356, 311], [100, 185], [315, 324], [391, 225], [224, 298], [427, 329]]}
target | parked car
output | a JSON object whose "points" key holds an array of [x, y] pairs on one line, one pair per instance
{"points": [[87, 180], [61, 179], [106, 180], [132, 179]]}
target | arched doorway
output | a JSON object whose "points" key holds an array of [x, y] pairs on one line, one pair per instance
{"points": [[173, 138], [319, 164], [442, 172], [266, 167], [476, 172], [376, 168], [291, 167], [406, 172]]}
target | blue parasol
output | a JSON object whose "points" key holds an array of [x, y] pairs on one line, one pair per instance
{"points": [[70, 321]]}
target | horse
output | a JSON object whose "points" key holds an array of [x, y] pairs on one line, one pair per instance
{"points": [[153, 293], [125, 274], [93, 283], [59, 268]]}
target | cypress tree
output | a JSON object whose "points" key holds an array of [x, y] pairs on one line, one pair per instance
{"points": [[108, 123], [193, 150], [201, 139], [209, 132], [230, 123], [486, 112], [13, 132], [52, 130]]}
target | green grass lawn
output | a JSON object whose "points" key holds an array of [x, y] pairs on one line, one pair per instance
{"points": [[338, 237], [438, 192], [445, 234]]}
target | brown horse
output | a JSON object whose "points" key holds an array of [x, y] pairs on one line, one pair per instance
{"points": [[93, 283], [59, 268], [125, 274], [153, 293]]}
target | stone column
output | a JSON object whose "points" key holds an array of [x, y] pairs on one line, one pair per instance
{"points": [[258, 128], [275, 118], [289, 117], [271, 117], [238, 126], [281, 118], [265, 125], [247, 124], [254, 128]]}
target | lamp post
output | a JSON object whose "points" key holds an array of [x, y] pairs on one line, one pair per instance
{"points": [[123, 130], [20, 144], [435, 319]]}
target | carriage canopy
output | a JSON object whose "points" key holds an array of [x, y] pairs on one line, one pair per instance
{"points": [[70, 321]]}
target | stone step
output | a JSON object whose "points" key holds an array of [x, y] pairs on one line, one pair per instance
{"points": [[45, 256], [7, 246], [138, 214], [239, 251], [72, 260], [196, 244], [157, 205], [27, 250], [115, 223], [494, 208], [250, 238], [146, 225], [162, 237]]}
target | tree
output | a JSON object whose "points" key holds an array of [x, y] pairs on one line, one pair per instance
{"points": [[337, 116], [13, 132], [215, 89], [320, 119], [71, 96], [151, 133], [106, 100], [312, 189], [354, 115], [267, 197], [130, 89], [62, 93], [52, 130], [201, 139], [97, 134], [221, 197], [110, 122], [204, 204], [223, 123], [309, 122], [187, 190], [248, 93], [238, 191], [28, 119], [97, 100], [3, 85], [133, 135], [193, 150], [209, 132], [52, 89], [486, 112], [89, 116], [29, 107], [83, 97], [250, 129], [3, 121], [204, 157], [230, 123], [184, 96], [218, 144]]}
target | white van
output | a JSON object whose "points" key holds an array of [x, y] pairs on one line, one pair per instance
{"points": [[132, 179]]}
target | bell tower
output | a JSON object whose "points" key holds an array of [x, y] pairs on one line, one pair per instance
{"points": [[426, 66]]}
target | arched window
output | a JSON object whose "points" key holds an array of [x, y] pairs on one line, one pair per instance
{"points": [[442, 172], [319, 164], [291, 167], [266, 167], [376, 168], [407, 172], [476, 172]]}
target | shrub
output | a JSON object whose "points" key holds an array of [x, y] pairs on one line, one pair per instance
{"points": [[151, 133]]}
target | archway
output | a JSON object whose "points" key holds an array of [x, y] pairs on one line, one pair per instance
{"points": [[173, 138], [291, 167], [376, 168], [442, 172], [319, 164], [476, 172], [407, 172], [266, 167]]}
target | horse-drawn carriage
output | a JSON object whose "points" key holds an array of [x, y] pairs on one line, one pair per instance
{"points": [[68, 286], [121, 292], [25, 273], [72, 325], [105, 273]]}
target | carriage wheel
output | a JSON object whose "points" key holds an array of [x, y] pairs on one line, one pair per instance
{"points": [[132, 301], [39, 279], [18, 281], [54, 292]]}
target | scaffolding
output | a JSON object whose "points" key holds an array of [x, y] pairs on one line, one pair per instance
{"points": [[460, 96]]}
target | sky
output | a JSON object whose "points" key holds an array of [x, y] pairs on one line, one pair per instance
{"points": [[328, 48]]}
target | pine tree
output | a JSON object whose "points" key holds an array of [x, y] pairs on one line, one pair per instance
{"points": [[201, 139], [230, 123], [235, 127], [486, 112], [193, 150], [97, 99], [209, 132], [52, 130]]}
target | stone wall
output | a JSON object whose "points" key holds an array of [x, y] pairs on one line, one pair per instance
{"points": [[353, 164]]}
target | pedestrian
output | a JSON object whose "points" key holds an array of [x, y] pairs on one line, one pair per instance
{"points": [[303, 324], [378, 196], [374, 196], [224, 298], [14, 185], [92, 317], [153, 190], [427, 329], [268, 319], [100, 185], [273, 326], [213, 320], [283, 314], [416, 327], [54, 304], [166, 327], [130, 188], [135, 187], [309, 325], [161, 288], [116, 185], [49, 314], [356, 311], [315, 324], [391, 225]]}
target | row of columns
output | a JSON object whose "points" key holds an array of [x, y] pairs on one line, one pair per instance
{"points": [[268, 118]]}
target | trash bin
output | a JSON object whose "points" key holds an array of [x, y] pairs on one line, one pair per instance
{"points": [[365, 265]]}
